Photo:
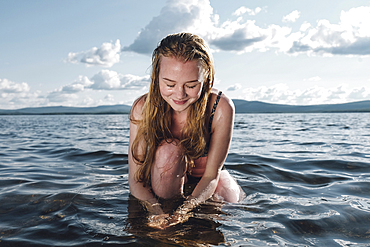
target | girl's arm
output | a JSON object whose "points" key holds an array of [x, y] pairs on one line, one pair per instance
{"points": [[222, 128], [137, 189]]}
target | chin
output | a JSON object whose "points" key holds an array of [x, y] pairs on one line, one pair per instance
{"points": [[180, 108]]}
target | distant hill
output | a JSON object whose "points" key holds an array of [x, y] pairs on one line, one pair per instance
{"points": [[53, 110], [241, 106]]}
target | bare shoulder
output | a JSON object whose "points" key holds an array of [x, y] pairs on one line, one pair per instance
{"points": [[225, 105], [223, 117], [137, 107]]}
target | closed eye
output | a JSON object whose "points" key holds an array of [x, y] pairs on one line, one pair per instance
{"points": [[191, 86]]}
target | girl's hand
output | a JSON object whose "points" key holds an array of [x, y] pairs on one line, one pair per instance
{"points": [[181, 215], [164, 221], [159, 221]]}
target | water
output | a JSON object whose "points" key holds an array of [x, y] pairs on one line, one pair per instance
{"points": [[64, 182]]}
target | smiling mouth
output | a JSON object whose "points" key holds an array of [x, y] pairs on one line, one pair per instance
{"points": [[180, 102]]}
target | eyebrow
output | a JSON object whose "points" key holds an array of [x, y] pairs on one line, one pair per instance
{"points": [[166, 79]]}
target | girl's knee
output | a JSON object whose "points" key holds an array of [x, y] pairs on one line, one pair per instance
{"points": [[168, 155], [168, 147], [167, 174], [228, 188]]}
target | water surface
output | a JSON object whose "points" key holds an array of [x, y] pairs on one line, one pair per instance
{"points": [[64, 182]]}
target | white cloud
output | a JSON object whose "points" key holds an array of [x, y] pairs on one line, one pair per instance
{"points": [[359, 94], [246, 36], [111, 80], [197, 16], [106, 56], [351, 36], [277, 94], [176, 16], [305, 26], [57, 96], [292, 17], [242, 10], [104, 80], [15, 95], [234, 87], [315, 78], [357, 20], [78, 92], [7, 86], [109, 98], [83, 99], [282, 94], [29, 99]]}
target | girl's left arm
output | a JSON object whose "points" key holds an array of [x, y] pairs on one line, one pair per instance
{"points": [[222, 129]]}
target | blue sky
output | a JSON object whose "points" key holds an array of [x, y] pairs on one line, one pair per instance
{"points": [[89, 52]]}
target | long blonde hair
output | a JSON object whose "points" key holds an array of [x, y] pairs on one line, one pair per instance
{"points": [[155, 125]]}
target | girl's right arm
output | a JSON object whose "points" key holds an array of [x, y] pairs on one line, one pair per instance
{"points": [[137, 189], [158, 218]]}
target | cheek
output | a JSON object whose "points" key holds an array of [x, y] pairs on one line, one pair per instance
{"points": [[198, 93], [164, 91]]}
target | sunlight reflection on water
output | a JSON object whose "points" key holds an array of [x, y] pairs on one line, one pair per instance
{"points": [[64, 182]]}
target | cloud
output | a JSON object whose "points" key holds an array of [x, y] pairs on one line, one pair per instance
{"points": [[111, 80], [242, 10], [234, 87], [359, 94], [240, 38], [197, 16], [292, 17], [305, 26], [193, 16], [7, 86], [106, 56], [109, 98], [315, 78], [107, 80], [245, 36], [57, 97], [282, 94], [351, 36], [103, 80], [16, 95], [78, 86], [277, 93]]}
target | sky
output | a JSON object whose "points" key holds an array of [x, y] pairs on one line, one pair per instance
{"points": [[93, 52]]}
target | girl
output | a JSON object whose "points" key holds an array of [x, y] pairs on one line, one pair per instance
{"points": [[180, 132]]}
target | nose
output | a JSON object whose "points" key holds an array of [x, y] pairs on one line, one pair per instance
{"points": [[180, 92]]}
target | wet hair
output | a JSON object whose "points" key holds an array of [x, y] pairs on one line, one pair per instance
{"points": [[155, 124]]}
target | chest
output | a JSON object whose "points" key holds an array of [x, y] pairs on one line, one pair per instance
{"points": [[177, 125]]}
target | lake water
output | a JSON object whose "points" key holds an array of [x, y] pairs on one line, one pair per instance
{"points": [[64, 182]]}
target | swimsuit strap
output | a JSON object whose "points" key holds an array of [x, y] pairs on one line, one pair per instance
{"points": [[213, 112]]}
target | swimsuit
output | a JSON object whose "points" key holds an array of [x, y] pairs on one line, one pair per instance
{"points": [[200, 163], [211, 120], [193, 179], [213, 112]]}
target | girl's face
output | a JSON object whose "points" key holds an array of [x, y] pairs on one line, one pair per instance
{"points": [[180, 83]]}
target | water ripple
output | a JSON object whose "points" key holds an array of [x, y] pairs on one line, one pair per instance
{"points": [[64, 182]]}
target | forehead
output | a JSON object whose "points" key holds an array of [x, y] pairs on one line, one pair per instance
{"points": [[173, 64]]}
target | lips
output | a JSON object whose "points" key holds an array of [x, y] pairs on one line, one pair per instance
{"points": [[180, 102]]}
